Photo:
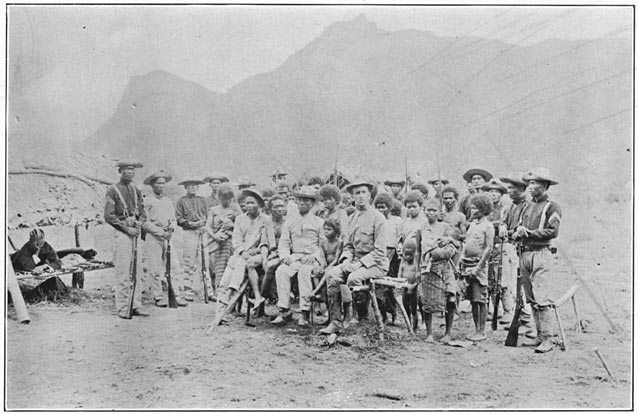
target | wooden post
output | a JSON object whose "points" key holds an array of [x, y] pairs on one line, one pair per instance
{"points": [[579, 323], [231, 304], [16, 294], [78, 278], [563, 341], [377, 312]]}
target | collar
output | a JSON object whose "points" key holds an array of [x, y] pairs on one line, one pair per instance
{"points": [[540, 199], [518, 200], [124, 182]]}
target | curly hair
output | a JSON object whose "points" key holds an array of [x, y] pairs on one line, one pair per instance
{"points": [[423, 188], [275, 198], [225, 191], [334, 224], [396, 208], [383, 198], [315, 180], [450, 189], [432, 203], [482, 202], [413, 197], [330, 191]]}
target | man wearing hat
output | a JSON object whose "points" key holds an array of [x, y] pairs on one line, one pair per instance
{"points": [[191, 211], [438, 182], [159, 227], [540, 222], [124, 211], [278, 176], [495, 191], [253, 236], [300, 253], [364, 252], [511, 218], [214, 181], [395, 184], [244, 183], [476, 178]]}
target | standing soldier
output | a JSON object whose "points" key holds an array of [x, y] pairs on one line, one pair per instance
{"points": [[475, 178], [540, 221], [300, 254], [215, 181], [516, 190], [364, 253], [124, 210], [159, 227], [191, 211]]}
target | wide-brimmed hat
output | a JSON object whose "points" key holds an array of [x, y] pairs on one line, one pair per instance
{"points": [[244, 181], [248, 192], [514, 178], [477, 171], [436, 178], [307, 192], [216, 176], [191, 182], [494, 185], [358, 182], [279, 171], [395, 180], [129, 163], [161, 173], [539, 174]]}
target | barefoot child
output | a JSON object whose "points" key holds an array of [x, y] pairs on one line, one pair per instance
{"points": [[438, 285], [409, 271], [475, 255]]}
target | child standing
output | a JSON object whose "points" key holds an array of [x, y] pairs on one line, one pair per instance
{"points": [[475, 255], [409, 271]]}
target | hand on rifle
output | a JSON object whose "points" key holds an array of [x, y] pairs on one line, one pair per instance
{"points": [[502, 232], [520, 232], [132, 231], [167, 235]]}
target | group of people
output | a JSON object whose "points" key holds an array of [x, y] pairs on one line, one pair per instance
{"points": [[334, 240]]}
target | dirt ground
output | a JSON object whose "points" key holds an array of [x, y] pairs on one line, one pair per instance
{"points": [[78, 354]]}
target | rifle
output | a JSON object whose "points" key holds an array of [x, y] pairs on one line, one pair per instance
{"points": [[497, 296], [438, 167], [204, 267], [336, 177], [512, 334], [407, 178], [133, 272], [172, 301]]}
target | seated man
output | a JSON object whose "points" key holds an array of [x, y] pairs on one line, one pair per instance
{"points": [[364, 253], [300, 253], [252, 236], [24, 260]]}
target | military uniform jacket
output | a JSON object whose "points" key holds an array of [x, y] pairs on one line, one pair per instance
{"points": [[190, 209], [116, 209], [367, 239], [542, 217]]}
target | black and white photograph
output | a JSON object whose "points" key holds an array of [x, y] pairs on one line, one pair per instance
{"points": [[319, 206]]}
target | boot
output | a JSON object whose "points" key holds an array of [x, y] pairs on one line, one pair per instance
{"points": [[545, 331], [304, 319]]}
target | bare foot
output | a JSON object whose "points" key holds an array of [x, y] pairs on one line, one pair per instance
{"points": [[429, 339], [476, 336], [446, 339]]}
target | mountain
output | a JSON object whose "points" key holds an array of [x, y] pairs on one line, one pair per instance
{"points": [[381, 96]]}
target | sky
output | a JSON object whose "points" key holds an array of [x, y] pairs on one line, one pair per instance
{"points": [[77, 60]]}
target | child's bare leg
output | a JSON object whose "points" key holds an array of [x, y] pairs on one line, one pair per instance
{"points": [[450, 308], [428, 327], [479, 314], [482, 317]]}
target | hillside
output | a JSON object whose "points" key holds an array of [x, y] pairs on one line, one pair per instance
{"points": [[383, 95]]}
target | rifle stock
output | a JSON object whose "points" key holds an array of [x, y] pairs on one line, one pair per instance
{"points": [[133, 272], [172, 301], [497, 296], [204, 267], [512, 334]]}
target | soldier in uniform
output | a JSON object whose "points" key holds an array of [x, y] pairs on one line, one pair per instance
{"points": [[124, 211], [159, 226], [300, 254], [540, 221], [364, 253], [476, 178], [191, 211]]}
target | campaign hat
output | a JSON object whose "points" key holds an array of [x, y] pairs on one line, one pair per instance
{"points": [[476, 171], [514, 178], [216, 176], [358, 182], [129, 163], [395, 180], [436, 178], [161, 173], [253, 193], [539, 174], [191, 182], [307, 192], [494, 185]]}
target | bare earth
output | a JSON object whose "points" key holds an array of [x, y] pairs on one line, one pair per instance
{"points": [[83, 356]]}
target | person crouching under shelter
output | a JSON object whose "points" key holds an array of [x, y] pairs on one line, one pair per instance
{"points": [[364, 254], [252, 237], [300, 254]]}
